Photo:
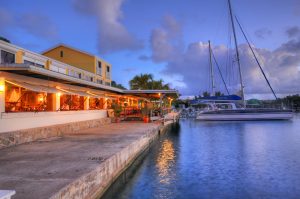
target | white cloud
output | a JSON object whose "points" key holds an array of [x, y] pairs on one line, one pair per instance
{"points": [[166, 41], [113, 35], [280, 65]]}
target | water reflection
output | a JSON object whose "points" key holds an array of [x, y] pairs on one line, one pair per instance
{"points": [[222, 160], [165, 160]]}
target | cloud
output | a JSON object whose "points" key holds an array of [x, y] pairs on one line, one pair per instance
{"points": [[293, 31], [192, 64], [144, 57], [37, 24], [166, 41], [263, 33], [113, 35], [130, 70], [34, 23], [6, 18]]}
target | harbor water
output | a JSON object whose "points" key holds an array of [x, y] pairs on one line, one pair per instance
{"points": [[196, 159]]}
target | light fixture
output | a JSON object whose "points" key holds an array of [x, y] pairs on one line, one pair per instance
{"points": [[2, 87]]}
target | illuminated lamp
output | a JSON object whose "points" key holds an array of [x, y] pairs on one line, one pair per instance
{"points": [[2, 87], [41, 99]]}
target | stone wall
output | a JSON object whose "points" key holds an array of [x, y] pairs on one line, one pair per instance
{"points": [[95, 183], [14, 138]]}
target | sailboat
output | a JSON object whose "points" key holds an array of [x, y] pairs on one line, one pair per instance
{"points": [[228, 110]]}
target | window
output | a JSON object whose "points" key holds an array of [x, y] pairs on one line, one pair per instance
{"points": [[61, 53], [79, 75], [99, 81], [92, 79], [99, 69], [7, 58], [33, 64], [107, 69]]}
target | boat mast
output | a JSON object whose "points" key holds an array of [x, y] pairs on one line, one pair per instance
{"points": [[256, 59], [211, 71], [237, 52]]}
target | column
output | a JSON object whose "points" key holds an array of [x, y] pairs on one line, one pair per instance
{"points": [[19, 57], [57, 102], [105, 103], [2, 95], [86, 103]]}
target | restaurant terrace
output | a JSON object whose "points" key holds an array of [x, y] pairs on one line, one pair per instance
{"points": [[37, 91]]}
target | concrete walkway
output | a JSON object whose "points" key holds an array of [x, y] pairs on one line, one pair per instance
{"points": [[42, 168]]}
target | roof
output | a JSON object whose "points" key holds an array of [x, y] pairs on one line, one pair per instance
{"points": [[72, 48], [153, 93], [41, 73]]}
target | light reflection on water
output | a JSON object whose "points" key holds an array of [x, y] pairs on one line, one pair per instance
{"points": [[165, 160], [259, 159]]}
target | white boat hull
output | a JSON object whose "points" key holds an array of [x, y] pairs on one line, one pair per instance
{"points": [[245, 116]]}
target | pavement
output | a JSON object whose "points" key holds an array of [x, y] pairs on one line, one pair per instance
{"points": [[40, 169]]}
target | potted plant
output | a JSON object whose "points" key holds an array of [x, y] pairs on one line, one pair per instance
{"points": [[117, 108], [145, 112]]}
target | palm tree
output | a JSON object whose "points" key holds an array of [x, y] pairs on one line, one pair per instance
{"points": [[146, 81], [140, 81]]}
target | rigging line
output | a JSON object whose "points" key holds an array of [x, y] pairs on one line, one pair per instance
{"points": [[261, 69], [213, 55]]}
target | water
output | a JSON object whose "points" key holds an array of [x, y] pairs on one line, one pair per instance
{"points": [[221, 160]]}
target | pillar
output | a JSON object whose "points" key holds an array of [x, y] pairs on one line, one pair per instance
{"points": [[19, 57], [53, 101], [2, 95], [105, 103], [86, 105], [48, 64], [57, 101]]}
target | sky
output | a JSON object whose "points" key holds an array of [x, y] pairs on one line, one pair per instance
{"points": [[169, 39]]}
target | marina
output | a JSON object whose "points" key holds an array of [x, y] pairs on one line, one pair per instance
{"points": [[116, 99], [229, 159]]}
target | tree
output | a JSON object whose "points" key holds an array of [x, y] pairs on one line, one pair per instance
{"points": [[218, 94], [114, 84], [146, 82], [206, 94], [4, 39]]}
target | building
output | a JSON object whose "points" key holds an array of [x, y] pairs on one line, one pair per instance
{"points": [[62, 86], [84, 61]]}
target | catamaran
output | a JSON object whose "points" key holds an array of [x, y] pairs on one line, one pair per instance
{"points": [[228, 109]]}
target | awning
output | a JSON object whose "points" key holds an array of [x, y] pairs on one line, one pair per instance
{"points": [[35, 88], [73, 92]]}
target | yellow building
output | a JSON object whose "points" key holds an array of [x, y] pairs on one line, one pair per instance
{"points": [[84, 61]]}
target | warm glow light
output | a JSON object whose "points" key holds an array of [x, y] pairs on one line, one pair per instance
{"points": [[165, 161], [2, 88], [58, 94], [41, 99], [159, 94]]}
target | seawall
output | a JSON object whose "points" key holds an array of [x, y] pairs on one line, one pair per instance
{"points": [[76, 165]]}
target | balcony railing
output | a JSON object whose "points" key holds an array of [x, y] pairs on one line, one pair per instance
{"points": [[37, 60]]}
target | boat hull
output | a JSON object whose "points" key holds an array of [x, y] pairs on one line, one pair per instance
{"points": [[244, 116]]}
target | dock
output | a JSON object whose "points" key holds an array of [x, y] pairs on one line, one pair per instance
{"points": [[75, 165]]}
